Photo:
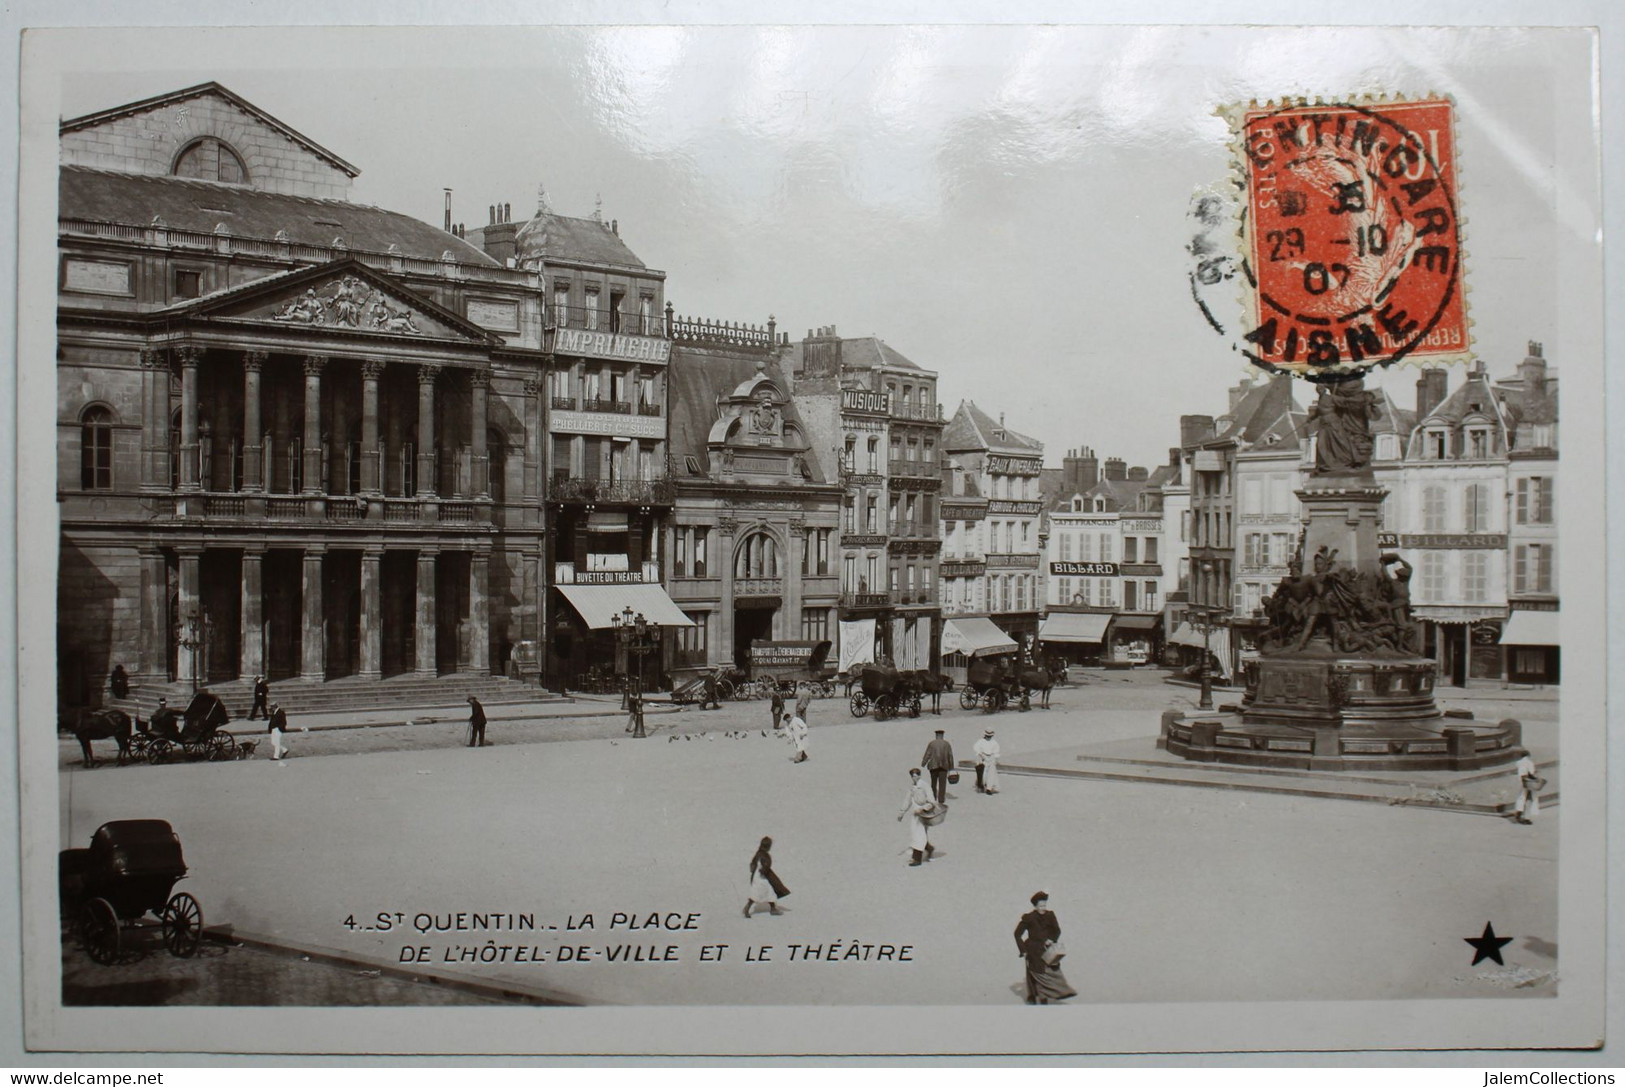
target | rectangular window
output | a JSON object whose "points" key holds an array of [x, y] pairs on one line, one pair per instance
{"points": [[1535, 500], [925, 584], [1478, 507], [1066, 546], [871, 519], [806, 554], [849, 574], [1252, 496], [815, 624], [1130, 597], [561, 305], [1131, 549], [1151, 549], [1432, 577], [682, 538], [1281, 494], [615, 300], [1532, 569], [874, 456], [592, 308], [646, 391], [849, 514], [646, 320], [1475, 576], [702, 544], [1434, 509], [1478, 444], [1151, 596], [1435, 444], [187, 284], [1107, 548], [871, 582]]}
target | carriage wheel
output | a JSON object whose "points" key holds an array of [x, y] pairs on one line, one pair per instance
{"points": [[183, 925], [1026, 701], [99, 932], [725, 690], [967, 698], [158, 752], [914, 706], [885, 706], [993, 701], [860, 704], [222, 747]]}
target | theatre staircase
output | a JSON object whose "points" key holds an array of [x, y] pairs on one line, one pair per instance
{"points": [[348, 695]]}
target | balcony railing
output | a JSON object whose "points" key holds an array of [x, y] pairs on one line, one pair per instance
{"points": [[927, 412], [603, 319], [607, 407], [254, 505], [657, 492], [865, 600], [727, 333], [564, 403], [648, 409], [915, 469]]}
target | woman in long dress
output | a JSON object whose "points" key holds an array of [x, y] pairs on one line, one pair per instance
{"points": [[987, 763], [764, 883], [1038, 931]]}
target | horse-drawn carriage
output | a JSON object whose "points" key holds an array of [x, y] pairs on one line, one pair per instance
{"points": [[994, 682], [786, 667], [196, 733], [882, 688], [129, 871]]}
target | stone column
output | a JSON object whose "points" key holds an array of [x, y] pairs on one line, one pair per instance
{"points": [[791, 568], [313, 640], [153, 662], [371, 463], [723, 555], [479, 386], [154, 420], [426, 468], [479, 613], [189, 357], [424, 636], [253, 633], [311, 468], [189, 607], [253, 428], [372, 631]]}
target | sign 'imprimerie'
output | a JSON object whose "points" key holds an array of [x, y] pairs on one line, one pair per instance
{"points": [[610, 345]]}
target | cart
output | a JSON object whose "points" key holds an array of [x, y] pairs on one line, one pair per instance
{"points": [[887, 691], [783, 667], [991, 683], [199, 735], [128, 872]]}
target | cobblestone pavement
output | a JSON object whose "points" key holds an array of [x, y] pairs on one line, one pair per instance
{"points": [[237, 976]]}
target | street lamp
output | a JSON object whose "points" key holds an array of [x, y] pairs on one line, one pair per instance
{"points": [[632, 633], [1209, 611], [191, 640]]}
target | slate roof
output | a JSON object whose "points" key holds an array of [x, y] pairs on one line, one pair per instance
{"points": [[201, 206], [858, 353], [564, 238], [697, 380], [973, 428], [1260, 409], [1474, 396]]}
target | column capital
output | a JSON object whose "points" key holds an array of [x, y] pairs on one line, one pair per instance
{"points": [[253, 360], [372, 369], [314, 551], [427, 372], [533, 386], [428, 553], [188, 355], [152, 358], [479, 378], [314, 364], [373, 554]]}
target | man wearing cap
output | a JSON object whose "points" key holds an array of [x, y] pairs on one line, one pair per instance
{"points": [[939, 759], [476, 723], [918, 805], [278, 726], [987, 763], [163, 721], [262, 699]]}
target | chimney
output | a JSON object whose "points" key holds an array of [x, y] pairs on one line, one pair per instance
{"points": [[448, 211], [615, 227], [1080, 470], [821, 353], [1532, 370], [1116, 469], [507, 213], [1431, 389], [491, 213], [1238, 393], [1138, 474], [1194, 430], [1173, 456]]}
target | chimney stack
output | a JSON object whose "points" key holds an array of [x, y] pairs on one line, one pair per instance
{"points": [[1116, 469], [1194, 430], [1431, 389], [1532, 370], [1238, 393], [448, 211], [1138, 474]]}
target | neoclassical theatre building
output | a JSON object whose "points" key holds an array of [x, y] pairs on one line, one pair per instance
{"points": [[297, 435]]}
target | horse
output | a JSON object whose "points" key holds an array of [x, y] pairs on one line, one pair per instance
{"points": [[933, 684], [1036, 679], [103, 725]]}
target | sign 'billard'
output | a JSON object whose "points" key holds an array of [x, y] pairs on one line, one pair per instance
{"points": [[1083, 569]]}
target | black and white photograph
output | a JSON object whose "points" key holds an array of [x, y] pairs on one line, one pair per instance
{"points": [[823, 539]]}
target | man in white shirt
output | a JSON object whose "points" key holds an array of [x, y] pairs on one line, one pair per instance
{"points": [[797, 731], [1529, 782]]}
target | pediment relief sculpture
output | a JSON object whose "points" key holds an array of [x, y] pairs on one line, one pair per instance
{"points": [[349, 303]]}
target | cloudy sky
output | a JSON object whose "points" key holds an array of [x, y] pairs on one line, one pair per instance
{"points": [[1005, 205]]}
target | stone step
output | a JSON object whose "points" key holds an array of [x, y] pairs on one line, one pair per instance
{"points": [[345, 695]]}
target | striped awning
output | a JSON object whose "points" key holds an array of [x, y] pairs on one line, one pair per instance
{"points": [[1531, 628], [597, 603], [975, 637], [1078, 628]]}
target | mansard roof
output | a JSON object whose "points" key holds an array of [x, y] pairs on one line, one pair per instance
{"points": [[973, 428]]}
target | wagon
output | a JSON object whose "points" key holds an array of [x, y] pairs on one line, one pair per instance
{"points": [[783, 667], [129, 871], [198, 736], [887, 691], [991, 682]]}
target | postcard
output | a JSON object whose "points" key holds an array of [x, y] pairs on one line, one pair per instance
{"points": [[750, 540]]}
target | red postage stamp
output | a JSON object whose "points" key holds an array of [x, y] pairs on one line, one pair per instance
{"points": [[1352, 235]]}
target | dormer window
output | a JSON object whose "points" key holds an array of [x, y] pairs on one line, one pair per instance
{"points": [[1100, 505], [1077, 505], [1387, 446], [1435, 443], [1478, 443], [209, 159]]}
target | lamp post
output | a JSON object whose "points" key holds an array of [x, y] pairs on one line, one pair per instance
{"points": [[1209, 612], [191, 640], [632, 633]]}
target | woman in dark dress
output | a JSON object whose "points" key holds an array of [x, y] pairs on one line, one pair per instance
{"points": [[764, 883], [1038, 930]]}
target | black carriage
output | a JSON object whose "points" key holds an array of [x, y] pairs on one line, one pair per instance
{"points": [[197, 734], [993, 683], [887, 691], [129, 872]]}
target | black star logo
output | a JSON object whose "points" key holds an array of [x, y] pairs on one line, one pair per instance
{"points": [[1488, 946]]}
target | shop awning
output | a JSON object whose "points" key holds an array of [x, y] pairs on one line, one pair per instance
{"points": [[1185, 634], [596, 603], [1087, 628], [1531, 628], [1136, 624], [975, 637]]}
